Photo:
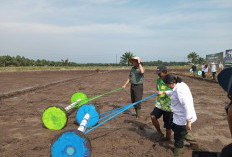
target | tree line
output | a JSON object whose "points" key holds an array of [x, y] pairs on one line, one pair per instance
{"points": [[192, 57], [9, 61], [6, 61]]}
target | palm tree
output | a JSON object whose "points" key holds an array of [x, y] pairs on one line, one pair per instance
{"points": [[65, 62], [125, 58], [192, 57], [201, 60]]}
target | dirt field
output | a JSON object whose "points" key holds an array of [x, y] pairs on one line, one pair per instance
{"points": [[22, 134]]}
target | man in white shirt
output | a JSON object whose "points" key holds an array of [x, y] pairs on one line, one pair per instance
{"points": [[213, 70], [221, 67]]}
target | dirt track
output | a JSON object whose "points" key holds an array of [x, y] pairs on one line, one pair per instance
{"points": [[22, 133]]}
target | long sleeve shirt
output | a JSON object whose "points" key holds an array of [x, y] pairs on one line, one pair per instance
{"points": [[206, 70], [182, 104], [202, 67], [213, 68]]}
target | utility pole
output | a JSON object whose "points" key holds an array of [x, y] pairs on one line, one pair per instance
{"points": [[116, 59]]}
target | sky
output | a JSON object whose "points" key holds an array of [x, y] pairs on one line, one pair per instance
{"points": [[101, 31]]}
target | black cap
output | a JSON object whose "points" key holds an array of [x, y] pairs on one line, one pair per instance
{"points": [[225, 81], [160, 69]]}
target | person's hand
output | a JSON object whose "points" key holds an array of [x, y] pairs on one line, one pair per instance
{"points": [[188, 125], [139, 61], [159, 92], [124, 86]]}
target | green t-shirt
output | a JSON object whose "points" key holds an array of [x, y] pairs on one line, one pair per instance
{"points": [[163, 101], [135, 76]]}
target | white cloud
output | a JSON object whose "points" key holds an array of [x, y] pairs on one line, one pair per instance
{"points": [[101, 29], [105, 1], [221, 3]]}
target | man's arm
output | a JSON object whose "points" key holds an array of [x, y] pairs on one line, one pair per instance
{"points": [[140, 67], [127, 81]]}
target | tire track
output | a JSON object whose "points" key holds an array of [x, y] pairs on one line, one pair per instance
{"points": [[41, 87]]}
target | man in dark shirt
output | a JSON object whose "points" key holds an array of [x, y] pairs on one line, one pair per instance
{"points": [[194, 69], [136, 79]]}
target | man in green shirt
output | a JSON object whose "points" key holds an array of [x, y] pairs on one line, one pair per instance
{"points": [[163, 105], [136, 79]]}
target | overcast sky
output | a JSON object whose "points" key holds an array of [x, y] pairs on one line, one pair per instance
{"points": [[99, 31]]}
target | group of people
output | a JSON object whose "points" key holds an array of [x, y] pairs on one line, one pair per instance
{"points": [[205, 70], [174, 102]]}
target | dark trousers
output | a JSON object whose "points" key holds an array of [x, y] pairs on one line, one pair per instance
{"points": [[203, 74], [180, 132], [136, 94], [214, 73]]}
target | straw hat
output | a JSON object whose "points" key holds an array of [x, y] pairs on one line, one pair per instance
{"points": [[135, 59]]}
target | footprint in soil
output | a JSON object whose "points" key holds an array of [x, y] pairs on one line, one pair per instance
{"points": [[81, 88], [129, 113], [38, 148], [194, 146], [143, 129]]}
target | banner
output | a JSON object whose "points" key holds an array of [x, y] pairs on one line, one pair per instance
{"points": [[216, 58], [228, 58]]}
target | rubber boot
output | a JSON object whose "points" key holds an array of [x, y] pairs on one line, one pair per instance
{"points": [[189, 137], [177, 152], [138, 113]]}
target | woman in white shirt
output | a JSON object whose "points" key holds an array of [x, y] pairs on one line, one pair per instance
{"points": [[183, 110], [206, 70]]}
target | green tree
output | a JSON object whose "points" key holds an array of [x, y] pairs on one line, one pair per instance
{"points": [[18, 60], [2, 61], [65, 62], [159, 62], [38, 62], [8, 61], [44, 62], [201, 60], [124, 59], [192, 57], [23, 61]]}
